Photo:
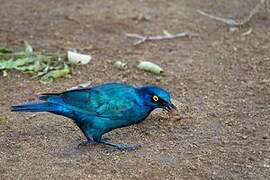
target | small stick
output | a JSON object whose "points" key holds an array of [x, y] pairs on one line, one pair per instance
{"points": [[248, 32], [167, 36], [253, 12], [32, 116], [232, 22], [229, 22]]}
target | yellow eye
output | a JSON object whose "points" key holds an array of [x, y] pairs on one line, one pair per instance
{"points": [[155, 98]]}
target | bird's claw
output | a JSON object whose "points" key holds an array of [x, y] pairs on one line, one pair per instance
{"points": [[125, 147], [85, 143], [106, 139]]}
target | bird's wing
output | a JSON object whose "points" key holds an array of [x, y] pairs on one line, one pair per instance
{"points": [[111, 103]]}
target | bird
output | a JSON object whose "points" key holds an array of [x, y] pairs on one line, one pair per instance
{"points": [[102, 108]]}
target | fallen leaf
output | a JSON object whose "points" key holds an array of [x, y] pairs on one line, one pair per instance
{"points": [[150, 67], [77, 58], [55, 74], [5, 51]]}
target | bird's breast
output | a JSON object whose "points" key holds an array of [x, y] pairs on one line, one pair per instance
{"points": [[136, 115]]}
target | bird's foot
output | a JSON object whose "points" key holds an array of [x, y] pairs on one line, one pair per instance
{"points": [[125, 147], [85, 143], [121, 147], [106, 139]]}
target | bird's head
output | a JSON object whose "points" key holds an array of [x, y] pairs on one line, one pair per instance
{"points": [[156, 97]]}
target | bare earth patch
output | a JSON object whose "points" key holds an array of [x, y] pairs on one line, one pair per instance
{"points": [[220, 79]]}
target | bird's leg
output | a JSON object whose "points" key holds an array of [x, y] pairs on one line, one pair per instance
{"points": [[106, 139], [87, 142], [124, 147]]}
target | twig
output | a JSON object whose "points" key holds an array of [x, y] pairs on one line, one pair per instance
{"points": [[166, 36], [232, 22], [32, 116], [253, 12], [248, 32], [229, 22]]}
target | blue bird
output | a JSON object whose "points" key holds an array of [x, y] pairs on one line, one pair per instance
{"points": [[102, 108]]}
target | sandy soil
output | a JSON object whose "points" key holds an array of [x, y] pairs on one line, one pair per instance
{"points": [[220, 79]]}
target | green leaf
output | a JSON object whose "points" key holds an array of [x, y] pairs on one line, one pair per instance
{"points": [[5, 51], [46, 67], [13, 64], [55, 74]]}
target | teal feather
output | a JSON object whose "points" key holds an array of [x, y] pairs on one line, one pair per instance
{"points": [[102, 108]]}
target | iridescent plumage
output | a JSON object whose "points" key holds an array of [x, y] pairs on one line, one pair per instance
{"points": [[102, 108]]}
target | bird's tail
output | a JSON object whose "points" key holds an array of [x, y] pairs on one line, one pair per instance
{"points": [[33, 107]]}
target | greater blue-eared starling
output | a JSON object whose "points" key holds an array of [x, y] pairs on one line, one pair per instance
{"points": [[102, 108]]}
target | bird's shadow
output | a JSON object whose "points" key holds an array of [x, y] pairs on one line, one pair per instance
{"points": [[78, 150]]}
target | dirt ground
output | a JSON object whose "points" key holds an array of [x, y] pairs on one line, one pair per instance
{"points": [[220, 79]]}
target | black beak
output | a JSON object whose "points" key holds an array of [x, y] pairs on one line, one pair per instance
{"points": [[170, 107]]}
